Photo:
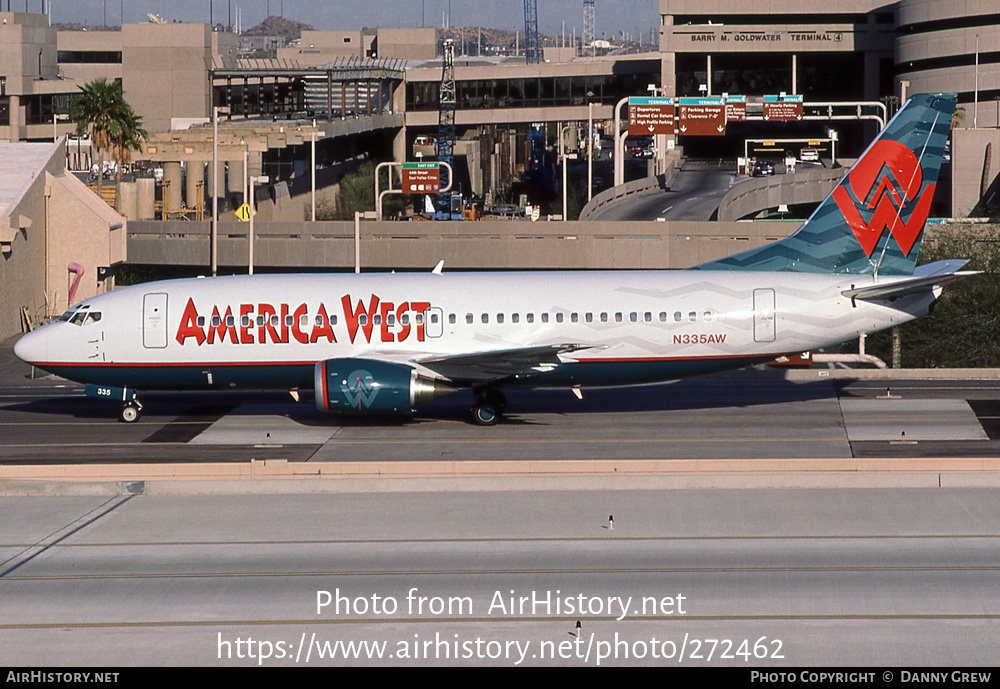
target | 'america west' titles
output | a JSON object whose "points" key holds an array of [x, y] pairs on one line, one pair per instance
{"points": [[376, 320]]}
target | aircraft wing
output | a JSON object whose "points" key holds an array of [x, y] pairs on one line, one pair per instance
{"points": [[484, 367], [925, 278]]}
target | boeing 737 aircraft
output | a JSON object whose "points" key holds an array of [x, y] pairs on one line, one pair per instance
{"points": [[377, 343]]}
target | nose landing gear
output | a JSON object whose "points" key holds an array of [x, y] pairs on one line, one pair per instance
{"points": [[131, 412]]}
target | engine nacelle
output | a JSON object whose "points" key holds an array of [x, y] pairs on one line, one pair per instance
{"points": [[368, 385]]}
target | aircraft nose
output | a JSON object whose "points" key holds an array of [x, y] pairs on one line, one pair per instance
{"points": [[32, 348]]}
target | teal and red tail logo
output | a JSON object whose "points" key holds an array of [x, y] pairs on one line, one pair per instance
{"points": [[886, 184]]}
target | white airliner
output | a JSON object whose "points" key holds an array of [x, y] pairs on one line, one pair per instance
{"points": [[377, 343]]}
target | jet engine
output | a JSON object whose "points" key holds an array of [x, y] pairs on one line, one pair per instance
{"points": [[371, 386]]}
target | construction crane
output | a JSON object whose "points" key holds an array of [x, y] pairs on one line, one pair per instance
{"points": [[589, 26], [532, 50], [445, 145]]}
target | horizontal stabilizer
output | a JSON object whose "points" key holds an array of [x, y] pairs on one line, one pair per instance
{"points": [[925, 278]]}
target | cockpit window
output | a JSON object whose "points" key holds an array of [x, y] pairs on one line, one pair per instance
{"points": [[66, 316], [84, 317]]}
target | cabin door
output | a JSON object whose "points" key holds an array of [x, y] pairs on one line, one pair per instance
{"points": [[154, 321], [763, 315]]}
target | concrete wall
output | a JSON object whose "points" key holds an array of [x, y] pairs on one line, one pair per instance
{"points": [[22, 277], [22, 36], [320, 47], [934, 36], [407, 44], [54, 219], [165, 65], [487, 245], [805, 185], [975, 166], [90, 41], [81, 229]]}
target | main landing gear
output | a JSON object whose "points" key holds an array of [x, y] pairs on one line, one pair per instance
{"points": [[490, 406]]}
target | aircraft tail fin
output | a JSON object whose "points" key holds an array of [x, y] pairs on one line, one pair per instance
{"points": [[873, 221]]}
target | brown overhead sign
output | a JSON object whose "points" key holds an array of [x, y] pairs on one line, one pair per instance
{"points": [[421, 178], [648, 116], [702, 116], [736, 109]]}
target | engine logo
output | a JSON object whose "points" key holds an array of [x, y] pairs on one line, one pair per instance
{"points": [[360, 389]]}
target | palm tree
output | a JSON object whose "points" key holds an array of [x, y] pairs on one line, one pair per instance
{"points": [[100, 109], [130, 138]]}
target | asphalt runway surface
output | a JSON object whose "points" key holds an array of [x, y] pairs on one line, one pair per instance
{"points": [[749, 414], [742, 578]]}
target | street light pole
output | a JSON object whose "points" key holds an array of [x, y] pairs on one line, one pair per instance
{"points": [[253, 182], [590, 150], [314, 135], [215, 191], [565, 157]]}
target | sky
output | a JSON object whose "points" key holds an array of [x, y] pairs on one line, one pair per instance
{"points": [[612, 16]]}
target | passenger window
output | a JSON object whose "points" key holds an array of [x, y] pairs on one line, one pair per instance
{"points": [[604, 316], [419, 319], [451, 318], [376, 319], [618, 317], [363, 319], [260, 321], [434, 318], [275, 321], [574, 317], [648, 317], [405, 320], [677, 316], [289, 320], [545, 318], [693, 316], [304, 321], [590, 317], [245, 321], [390, 319], [201, 321], [333, 320], [530, 317], [486, 318], [708, 316], [469, 318], [663, 316], [515, 318], [559, 318], [217, 321], [499, 318], [230, 321], [633, 317]]}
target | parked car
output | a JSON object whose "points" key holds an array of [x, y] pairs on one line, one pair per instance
{"points": [[762, 168], [809, 155]]}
